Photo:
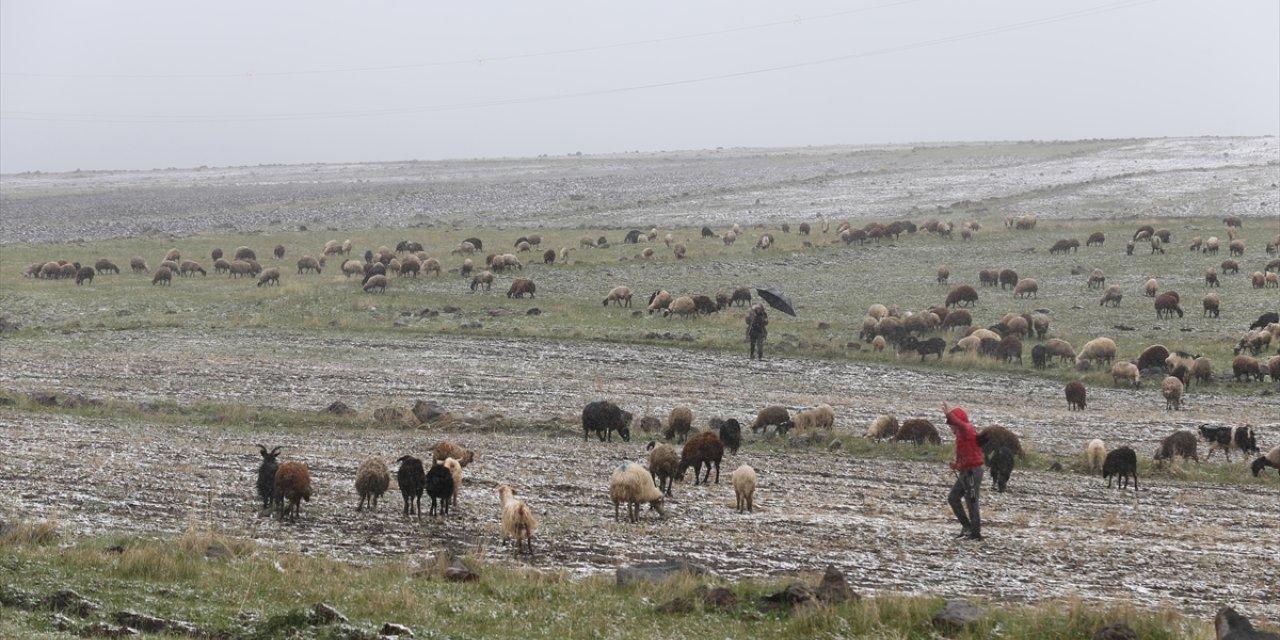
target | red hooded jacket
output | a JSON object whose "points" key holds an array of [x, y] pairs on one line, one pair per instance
{"points": [[968, 453]]}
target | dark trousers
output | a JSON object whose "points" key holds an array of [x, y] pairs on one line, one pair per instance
{"points": [[757, 347], [967, 486]]}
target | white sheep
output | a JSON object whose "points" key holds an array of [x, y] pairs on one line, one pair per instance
{"points": [[1095, 452], [744, 487], [819, 417], [518, 520], [1171, 389], [455, 469], [632, 484], [683, 306], [883, 427], [1101, 349], [1127, 373], [664, 462]]}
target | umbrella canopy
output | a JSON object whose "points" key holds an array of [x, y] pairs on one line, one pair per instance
{"points": [[777, 299]]}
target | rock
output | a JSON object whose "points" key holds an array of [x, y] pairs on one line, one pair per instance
{"points": [[1057, 466], [834, 588], [68, 601], [656, 571], [795, 595], [834, 445], [340, 408], [676, 605], [956, 615], [498, 312], [533, 311], [449, 309], [1116, 631], [44, 399], [720, 599], [217, 552], [170, 307], [140, 621], [62, 623], [823, 326], [388, 415], [323, 614], [7, 325], [649, 424], [427, 410], [458, 572], [397, 630], [104, 630], [348, 632]]}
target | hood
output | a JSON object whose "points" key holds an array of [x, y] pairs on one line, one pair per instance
{"points": [[959, 414]]}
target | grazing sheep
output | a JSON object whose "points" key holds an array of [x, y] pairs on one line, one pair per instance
{"points": [[1202, 369], [1230, 266], [683, 306], [1039, 356], [84, 274], [1113, 295], [484, 278], [632, 484], [1178, 443], [1097, 279], [731, 435], [1097, 237], [659, 301], [679, 423], [664, 462], [989, 277], [995, 436], [1230, 625], [104, 265], [163, 276], [883, 427], [1167, 304], [604, 417], [190, 267], [1151, 288], [518, 521], [1211, 278], [352, 268], [821, 417], [704, 448], [455, 470], [376, 283], [1171, 389], [138, 265], [549, 256], [445, 450], [943, 275], [1061, 349], [744, 487], [1273, 366], [1266, 319], [167, 264], [245, 253], [1000, 462], [1157, 245], [292, 483], [173, 255], [619, 296], [1125, 373], [412, 478], [919, 431], [1123, 464], [439, 485], [1155, 356], [1235, 248], [464, 248], [1272, 459], [372, 480], [1210, 303], [521, 287], [678, 250], [957, 318], [272, 276], [1075, 396], [772, 415], [278, 251], [1009, 278], [267, 475], [1246, 367], [1094, 453], [878, 343], [1102, 350], [963, 295], [215, 254]]}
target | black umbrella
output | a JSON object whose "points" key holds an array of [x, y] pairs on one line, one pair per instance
{"points": [[777, 299]]}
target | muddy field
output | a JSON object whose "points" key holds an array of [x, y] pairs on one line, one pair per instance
{"points": [[883, 521]]}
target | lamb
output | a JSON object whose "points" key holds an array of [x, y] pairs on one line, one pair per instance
{"points": [[963, 295], [308, 263], [882, 427], [272, 276], [731, 435], [455, 470], [376, 283], [1075, 396], [484, 278], [632, 484], [1246, 367], [604, 417], [445, 450], [1125, 373], [518, 521], [1026, 288], [412, 478], [1171, 389], [996, 436], [1178, 443], [704, 448], [917, 430], [1229, 625], [619, 296], [104, 265], [821, 417], [1113, 295], [267, 475], [772, 415], [1095, 452], [1272, 459], [1122, 463], [664, 462], [439, 486], [744, 487], [372, 480], [679, 422], [520, 287], [292, 483]]}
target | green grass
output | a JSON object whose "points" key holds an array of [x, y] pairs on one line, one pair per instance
{"points": [[247, 591]]}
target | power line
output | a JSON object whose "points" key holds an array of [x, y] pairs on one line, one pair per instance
{"points": [[461, 61], [162, 119]]}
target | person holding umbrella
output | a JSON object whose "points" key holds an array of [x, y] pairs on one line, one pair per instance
{"points": [[757, 329], [968, 469]]}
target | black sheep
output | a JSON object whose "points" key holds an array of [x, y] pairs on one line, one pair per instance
{"points": [[439, 485], [632, 237], [1039, 356], [1229, 625], [731, 435], [604, 417], [1001, 464], [1218, 438], [1122, 463], [1265, 319], [412, 479], [378, 269], [1178, 443], [267, 475], [475, 242], [1244, 440], [930, 346]]}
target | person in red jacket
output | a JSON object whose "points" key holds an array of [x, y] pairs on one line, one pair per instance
{"points": [[968, 468]]}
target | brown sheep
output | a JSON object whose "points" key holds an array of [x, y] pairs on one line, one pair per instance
{"points": [[919, 431], [84, 274], [1235, 248], [1075, 396], [1097, 279], [619, 296], [1026, 288], [1179, 443], [943, 275], [293, 483], [245, 253], [1246, 367], [1202, 369], [1056, 347], [963, 295], [484, 278], [1097, 237], [173, 255], [1230, 266], [190, 267], [308, 263], [1210, 303], [704, 448], [996, 436], [1167, 304], [520, 287], [163, 276], [1151, 288], [1259, 280], [683, 306], [269, 276], [1171, 389], [372, 480], [1113, 295], [678, 424], [1008, 277], [215, 254], [104, 265], [445, 449], [376, 283], [138, 265], [772, 415], [278, 251], [1125, 373], [239, 268]]}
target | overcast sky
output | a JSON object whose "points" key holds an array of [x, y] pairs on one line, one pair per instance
{"points": [[138, 84]]}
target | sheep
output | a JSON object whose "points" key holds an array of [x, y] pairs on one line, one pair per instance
{"points": [[619, 296], [439, 485], [518, 521], [956, 318], [1061, 349], [632, 484], [744, 487], [455, 470], [138, 265], [878, 311], [190, 267], [1272, 280], [1151, 288], [412, 478], [1025, 223], [1235, 248], [1075, 396], [1178, 443], [996, 436], [267, 475], [173, 255], [924, 348], [216, 253], [988, 277], [1259, 280], [167, 264], [1167, 304], [678, 423], [1246, 367], [878, 343], [731, 435], [1097, 237], [372, 480], [1272, 459], [1123, 464], [683, 306], [663, 464], [1210, 302], [163, 276], [1000, 462], [445, 450], [1273, 366], [272, 276], [1125, 373], [1202, 369], [245, 253], [1113, 295], [84, 274], [1157, 245], [1230, 625], [821, 417], [659, 301], [520, 287], [1094, 453], [292, 483], [484, 278], [1026, 288], [917, 430], [1266, 319], [729, 238], [741, 296], [1008, 277], [352, 268], [704, 448], [1171, 389], [963, 295], [376, 283], [1230, 266], [1097, 279], [678, 250], [604, 417], [772, 415], [882, 427], [1099, 349], [943, 275], [104, 265]]}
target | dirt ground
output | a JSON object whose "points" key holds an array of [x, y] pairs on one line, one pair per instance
{"points": [[882, 521]]}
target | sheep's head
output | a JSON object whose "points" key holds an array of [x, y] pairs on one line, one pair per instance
{"points": [[269, 456], [657, 505]]}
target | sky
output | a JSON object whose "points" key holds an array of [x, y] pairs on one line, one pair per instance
{"points": [[135, 84]]}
